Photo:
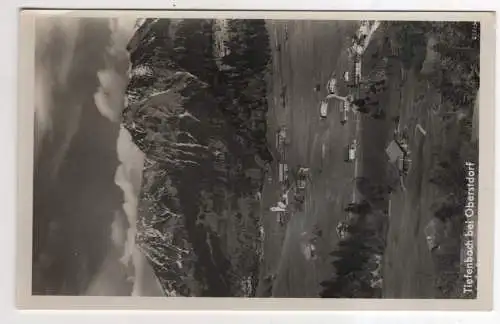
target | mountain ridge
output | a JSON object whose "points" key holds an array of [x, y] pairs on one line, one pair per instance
{"points": [[198, 215]]}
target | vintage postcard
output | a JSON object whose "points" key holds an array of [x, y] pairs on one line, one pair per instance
{"points": [[295, 160]]}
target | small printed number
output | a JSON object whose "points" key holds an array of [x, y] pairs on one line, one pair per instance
{"points": [[475, 31]]}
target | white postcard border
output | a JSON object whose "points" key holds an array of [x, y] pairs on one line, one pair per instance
{"points": [[25, 128]]}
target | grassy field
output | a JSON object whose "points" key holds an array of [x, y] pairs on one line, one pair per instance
{"points": [[306, 53], [412, 275], [308, 56], [422, 273], [311, 53]]}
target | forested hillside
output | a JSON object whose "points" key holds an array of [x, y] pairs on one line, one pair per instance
{"points": [[205, 145]]}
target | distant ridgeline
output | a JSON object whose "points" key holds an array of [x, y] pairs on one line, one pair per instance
{"points": [[203, 130]]}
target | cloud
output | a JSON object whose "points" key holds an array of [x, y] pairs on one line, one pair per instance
{"points": [[110, 101], [43, 105], [129, 247], [122, 30], [110, 280], [79, 61], [130, 197], [57, 35], [131, 157], [110, 97], [145, 281], [69, 52], [118, 228], [113, 279], [71, 129], [128, 177], [55, 44]]}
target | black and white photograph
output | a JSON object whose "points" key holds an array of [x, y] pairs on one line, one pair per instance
{"points": [[255, 157]]}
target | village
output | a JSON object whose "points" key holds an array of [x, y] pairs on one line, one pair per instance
{"points": [[295, 182]]}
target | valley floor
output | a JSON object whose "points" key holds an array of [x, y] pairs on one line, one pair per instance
{"points": [[311, 53], [305, 53]]}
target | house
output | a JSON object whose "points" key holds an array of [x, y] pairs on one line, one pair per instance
{"points": [[394, 151], [344, 109], [302, 176], [398, 155], [282, 172], [281, 137], [346, 105], [354, 73], [331, 85], [220, 157], [309, 251], [301, 184], [350, 152], [357, 72], [323, 109], [342, 229], [281, 142]]}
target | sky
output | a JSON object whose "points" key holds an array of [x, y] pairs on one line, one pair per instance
{"points": [[87, 170]]}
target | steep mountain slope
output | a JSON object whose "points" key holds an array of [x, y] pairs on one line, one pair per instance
{"points": [[197, 213]]}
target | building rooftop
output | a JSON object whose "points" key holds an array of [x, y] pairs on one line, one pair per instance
{"points": [[394, 151]]}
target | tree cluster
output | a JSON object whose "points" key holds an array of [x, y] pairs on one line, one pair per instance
{"points": [[458, 71], [193, 48], [448, 176], [411, 41], [354, 263], [242, 89]]}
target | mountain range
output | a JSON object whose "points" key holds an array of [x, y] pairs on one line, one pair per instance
{"points": [[203, 133]]}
